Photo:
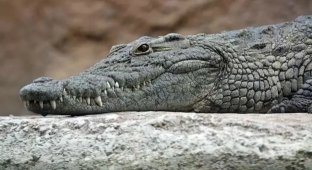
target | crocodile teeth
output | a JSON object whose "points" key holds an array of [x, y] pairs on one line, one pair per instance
{"points": [[26, 102], [88, 100], [98, 101], [108, 85], [41, 104], [64, 92], [105, 92], [53, 104], [74, 97], [117, 85], [144, 84], [61, 99], [138, 86]]}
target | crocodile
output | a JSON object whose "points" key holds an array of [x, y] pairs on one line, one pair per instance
{"points": [[264, 69]]}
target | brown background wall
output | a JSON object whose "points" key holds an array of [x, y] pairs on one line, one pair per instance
{"points": [[58, 38]]}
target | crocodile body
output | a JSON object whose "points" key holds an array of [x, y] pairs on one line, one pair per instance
{"points": [[254, 70]]}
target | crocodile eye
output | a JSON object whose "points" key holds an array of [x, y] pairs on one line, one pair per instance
{"points": [[143, 48]]}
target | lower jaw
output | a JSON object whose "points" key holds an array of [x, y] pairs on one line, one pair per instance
{"points": [[83, 109], [81, 106], [74, 111], [69, 107]]}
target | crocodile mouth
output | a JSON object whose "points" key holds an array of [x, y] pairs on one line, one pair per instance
{"points": [[65, 97]]}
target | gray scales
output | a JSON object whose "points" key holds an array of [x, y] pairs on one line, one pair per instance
{"points": [[254, 70]]}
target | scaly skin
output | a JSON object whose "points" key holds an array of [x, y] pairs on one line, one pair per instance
{"points": [[264, 69]]}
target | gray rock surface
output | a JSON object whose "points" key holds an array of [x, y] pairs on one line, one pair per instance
{"points": [[157, 140]]}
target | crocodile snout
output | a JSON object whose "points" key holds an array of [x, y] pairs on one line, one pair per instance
{"points": [[43, 93]]}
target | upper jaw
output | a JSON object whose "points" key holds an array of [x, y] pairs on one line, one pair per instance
{"points": [[78, 95], [42, 93]]}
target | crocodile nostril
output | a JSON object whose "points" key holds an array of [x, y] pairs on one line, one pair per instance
{"points": [[42, 80]]}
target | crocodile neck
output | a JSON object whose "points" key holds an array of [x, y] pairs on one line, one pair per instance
{"points": [[264, 66]]}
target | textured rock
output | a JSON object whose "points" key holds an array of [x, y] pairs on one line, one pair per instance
{"points": [[157, 140]]}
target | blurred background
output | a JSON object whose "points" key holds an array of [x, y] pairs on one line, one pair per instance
{"points": [[59, 38]]}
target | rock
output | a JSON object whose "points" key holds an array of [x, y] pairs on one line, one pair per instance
{"points": [[157, 140]]}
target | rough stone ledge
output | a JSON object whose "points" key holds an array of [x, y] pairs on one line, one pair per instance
{"points": [[157, 140]]}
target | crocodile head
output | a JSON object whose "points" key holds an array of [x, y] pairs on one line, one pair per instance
{"points": [[168, 73]]}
